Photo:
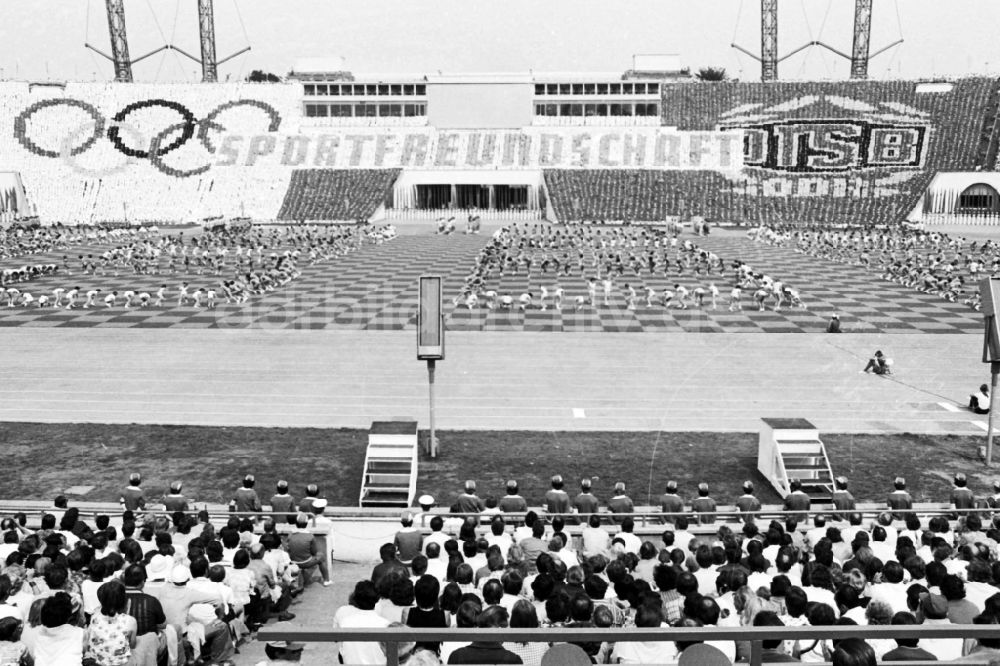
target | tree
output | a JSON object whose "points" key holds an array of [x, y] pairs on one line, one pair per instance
{"points": [[260, 76], [712, 74]]}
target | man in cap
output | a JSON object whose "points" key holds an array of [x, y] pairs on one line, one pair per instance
{"points": [[585, 502], [842, 498], [899, 500], [834, 325], [304, 552], [620, 503], [426, 503], [177, 599], [797, 500], [245, 500], [993, 501], [468, 501], [556, 499], [175, 500], [512, 502], [933, 610], [133, 499], [671, 502], [312, 492], [703, 505], [961, 496], [283, 503], [748, 501], [409, 541]]}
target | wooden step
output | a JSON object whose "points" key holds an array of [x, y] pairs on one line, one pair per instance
{"points": [[389, 466]]}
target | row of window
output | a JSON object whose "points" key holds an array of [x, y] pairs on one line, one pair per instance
{"points": [[366, 89], [365, 110], [630, 88], [641, 109]]}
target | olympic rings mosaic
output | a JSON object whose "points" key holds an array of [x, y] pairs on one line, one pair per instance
{"points": [[189, 127]]}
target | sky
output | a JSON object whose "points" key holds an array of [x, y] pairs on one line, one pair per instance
{"points": [[43, 39]]}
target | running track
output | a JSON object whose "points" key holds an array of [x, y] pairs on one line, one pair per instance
{"points": [[490, 380]]}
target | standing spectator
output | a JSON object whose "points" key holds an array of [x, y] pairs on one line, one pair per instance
{"points": [[303, 552], [670, 502], [512, 502], [585, 502], [620, 503], [556, 499], [468, 501], [112, 633], [246, 500], [703, 506], [283, 503], [409, 541], [899, 500], [132, 498]]}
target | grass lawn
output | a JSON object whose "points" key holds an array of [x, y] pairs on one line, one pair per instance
{"points": [[45, 459]]}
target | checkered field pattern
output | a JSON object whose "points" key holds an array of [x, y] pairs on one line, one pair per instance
{"points": [[375, 288]]}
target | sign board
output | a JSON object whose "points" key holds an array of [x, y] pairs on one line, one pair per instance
{"points": [[430, 319], [989, 295]]}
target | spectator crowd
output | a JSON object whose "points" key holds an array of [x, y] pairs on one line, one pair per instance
{"points": [[559, 568]]}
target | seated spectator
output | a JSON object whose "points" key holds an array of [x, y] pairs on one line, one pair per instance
{"points": [[773, 650], [979, 403], [408, 541], [907, 649], [361, 615], [878, 364]]}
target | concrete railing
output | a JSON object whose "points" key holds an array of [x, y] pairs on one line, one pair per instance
{"points": [[392, 637]]}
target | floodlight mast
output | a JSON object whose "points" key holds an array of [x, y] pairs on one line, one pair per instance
{"points": [[206, 29], [862, 38], [119, 40], [768, 40]]}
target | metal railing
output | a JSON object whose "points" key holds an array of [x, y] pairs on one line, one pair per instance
{"points": [[392, 637]]}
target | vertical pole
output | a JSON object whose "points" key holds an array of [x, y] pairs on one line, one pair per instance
{"points": [[768, 40], [756, 653], [432, 442], [994, 371], [206, 28], [862, 37], [392, 653]]}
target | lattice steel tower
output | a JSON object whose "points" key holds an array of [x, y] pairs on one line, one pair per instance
{"points": [[206, 28], [768, 40], [119, 41], [862, 38]]}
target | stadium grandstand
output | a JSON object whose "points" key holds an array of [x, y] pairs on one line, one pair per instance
{"points": [[563, 148]]}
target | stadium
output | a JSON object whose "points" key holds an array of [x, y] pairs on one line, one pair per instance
{"points": [[658, 296]]}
